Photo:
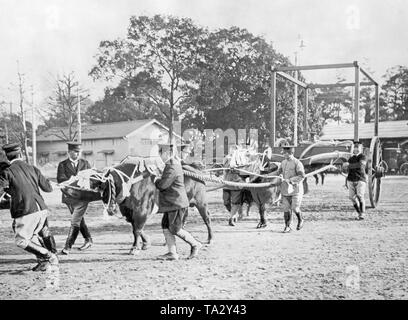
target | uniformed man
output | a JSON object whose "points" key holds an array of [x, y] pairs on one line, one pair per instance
{"points": [[233, 196], [66, 169], [173, 203], [293, 173], [29, 212], [357, 178]]}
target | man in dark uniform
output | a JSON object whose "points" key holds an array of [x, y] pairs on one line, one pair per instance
{"points": [[28, 209], [357, 178], [66, 169], [173, 203], [5, 197]]}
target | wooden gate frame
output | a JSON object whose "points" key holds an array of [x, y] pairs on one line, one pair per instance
{"points": [[357, 84]]}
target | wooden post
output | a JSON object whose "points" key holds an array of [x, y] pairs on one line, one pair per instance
{"points": [[273, 110], [79, 117], [356, 100], [316, 67], [295, 113], [6, 130], [305, 108], [33, 124], [377, 110]]}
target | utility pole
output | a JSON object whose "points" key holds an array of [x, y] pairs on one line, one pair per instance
{"points": [[295, 100], [22, 111], [79, 117], [34, 125]]}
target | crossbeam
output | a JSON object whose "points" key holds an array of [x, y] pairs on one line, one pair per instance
{"points": [[316, 67], [337, 85], [368, 76], [292, 79]]}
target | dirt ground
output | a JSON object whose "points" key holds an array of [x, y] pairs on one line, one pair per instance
{"points": [[332, 257]]}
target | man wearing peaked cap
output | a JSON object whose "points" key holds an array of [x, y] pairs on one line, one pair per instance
{"points": [[293, 173], [66, 169], [173, 203], [12, 149], [22, 182], [74, 146]]}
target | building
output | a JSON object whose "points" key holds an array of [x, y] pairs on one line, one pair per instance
{"points": [[390, 132], [105, 144], [393, 136]]}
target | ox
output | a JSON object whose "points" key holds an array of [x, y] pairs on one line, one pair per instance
{"points": [[129, 187]]}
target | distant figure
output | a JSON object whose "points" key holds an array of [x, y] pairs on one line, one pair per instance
{"points": [[293, 173], [357, 178], [23, 182]]}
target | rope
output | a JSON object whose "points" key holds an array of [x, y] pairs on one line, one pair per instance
{"points": [[330, 166], [4, 196], [257, 175], [251, 185], [230, 183]]}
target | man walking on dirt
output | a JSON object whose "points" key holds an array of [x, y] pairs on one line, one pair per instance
{"points": [[66, 169], [23, 182], [173, 203], [293, 173], [232, 196], [357, 178]]}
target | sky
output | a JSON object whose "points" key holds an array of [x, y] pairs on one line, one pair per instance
{"points": [[53, 37]]}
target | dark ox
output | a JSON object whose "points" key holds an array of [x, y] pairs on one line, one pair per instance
{"points": [[142, 199], [260, 195]]}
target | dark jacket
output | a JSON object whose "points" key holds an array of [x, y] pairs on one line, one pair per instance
{"points": [[66, 170], [23, 183], [173, 195], [357, 168]]}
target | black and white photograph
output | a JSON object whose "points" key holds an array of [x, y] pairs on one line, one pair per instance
{"points": [[214, 152]]}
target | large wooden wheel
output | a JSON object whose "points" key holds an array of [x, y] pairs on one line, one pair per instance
{"points": [[375, 170]]}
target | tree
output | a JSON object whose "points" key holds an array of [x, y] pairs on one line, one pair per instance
{"points": [[394, 96], [127, 102], [63, 106], [234, 85], [335, 103], [23, 131], [13, 123], [166, 48]]}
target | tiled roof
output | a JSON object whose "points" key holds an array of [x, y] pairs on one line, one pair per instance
{"points": [[345, 131], [97, 131]]}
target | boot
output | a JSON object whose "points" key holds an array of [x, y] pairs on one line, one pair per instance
{"points": [[233, 217], [262, 222], [171, 246], [187, 237], [45, 258], [362, 209], [240, 213], [49, 243], [72, 235], [287, 216], [358, 209], [300, 220]]}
